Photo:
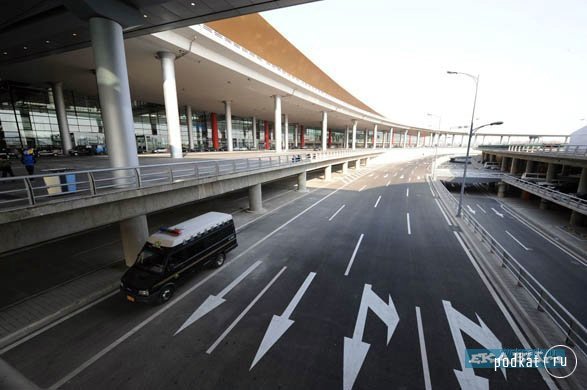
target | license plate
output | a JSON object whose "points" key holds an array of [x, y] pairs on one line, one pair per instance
{"points": [[130, 298]]}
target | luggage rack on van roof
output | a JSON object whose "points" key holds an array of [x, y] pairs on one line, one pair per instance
{"points": [[175, 235]]}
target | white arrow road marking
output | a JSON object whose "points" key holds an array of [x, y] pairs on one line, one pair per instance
{"points": [[471, 210], [407, 192], [497, 213], [518, 241], [362, 188], [280, 324], [480, 333], [348, 268], [481, 208], [337, 211], [213, 301], [244, 312], [408, 222], [355, 350], [378, 199]]}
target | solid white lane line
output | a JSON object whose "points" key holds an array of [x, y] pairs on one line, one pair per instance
{"points": [[337, 211], [172, 303], [378, 199], [388, 183], [244, 312], [407, 192], [348, 268], [362, 188], [423, 354], [481, 208], [518, 241], [443, 213], [408, 222]]}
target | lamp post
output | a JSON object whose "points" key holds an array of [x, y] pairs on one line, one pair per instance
{"points": [[471, 131], [435, 145]]}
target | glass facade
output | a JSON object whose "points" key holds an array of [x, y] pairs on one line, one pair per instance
{"points": [[28, 118]]}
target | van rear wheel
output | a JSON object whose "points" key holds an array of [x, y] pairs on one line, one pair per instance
{"points": [[166, 293], [217, 263]]}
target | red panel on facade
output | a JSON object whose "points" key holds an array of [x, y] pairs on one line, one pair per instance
{"points": [[214, 121], [267, 142]]}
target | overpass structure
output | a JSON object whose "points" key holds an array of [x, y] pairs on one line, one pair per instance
{"points": [[554, 174]]}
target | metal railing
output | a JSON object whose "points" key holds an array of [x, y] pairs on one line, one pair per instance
{"points": [[545, 150], [575, 332], [26, 191], [544, 191]]}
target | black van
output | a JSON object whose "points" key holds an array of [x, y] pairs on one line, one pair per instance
{"points": [[170, 253]]}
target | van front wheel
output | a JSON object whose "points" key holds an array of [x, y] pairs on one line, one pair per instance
{"points": [[166, 293], [217, 263]]}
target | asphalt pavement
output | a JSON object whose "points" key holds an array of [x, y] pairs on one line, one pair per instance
{"points": [[361, 284], [561, 272]]}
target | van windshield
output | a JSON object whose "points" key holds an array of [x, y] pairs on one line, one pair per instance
{"points": [[152, 259]]}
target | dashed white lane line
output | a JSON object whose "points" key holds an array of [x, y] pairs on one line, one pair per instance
{"points": [[388, 183], [518, 241], [337, 211], [385, 176], [407, 192], [408, 222], [481, 208], [348, 268], [362, 188], [401, 177], [423, 354], [244, 312], [378, 199]]}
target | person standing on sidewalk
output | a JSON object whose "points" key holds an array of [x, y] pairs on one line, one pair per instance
{"points": [[6, 166], [28, 160]]}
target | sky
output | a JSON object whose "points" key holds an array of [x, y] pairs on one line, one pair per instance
{"points": [[530, 55]]}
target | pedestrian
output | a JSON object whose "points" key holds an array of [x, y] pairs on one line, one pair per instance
{"points": [[6, 166], [28, 159]]}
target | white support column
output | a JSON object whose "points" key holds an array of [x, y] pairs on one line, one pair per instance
{"points": [[324, 129], [390, 137], [114, 94], [354, 137], [375, 136], [255, 136], [277, 117], [296, 135], [61, 117], [366, 138], [346, 137], [170, 97], [418, 140], [255, 199], [302, 182], [405, 138], [286, 126], [188, 117], [228, 115]]}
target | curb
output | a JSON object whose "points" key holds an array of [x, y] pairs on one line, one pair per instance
{"points": [[72, 307]]}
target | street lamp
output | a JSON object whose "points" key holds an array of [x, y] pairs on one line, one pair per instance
{"points": [[471, 131]]}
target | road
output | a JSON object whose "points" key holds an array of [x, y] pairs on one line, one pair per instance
{"points": [[561, 272], [376, 294]]}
